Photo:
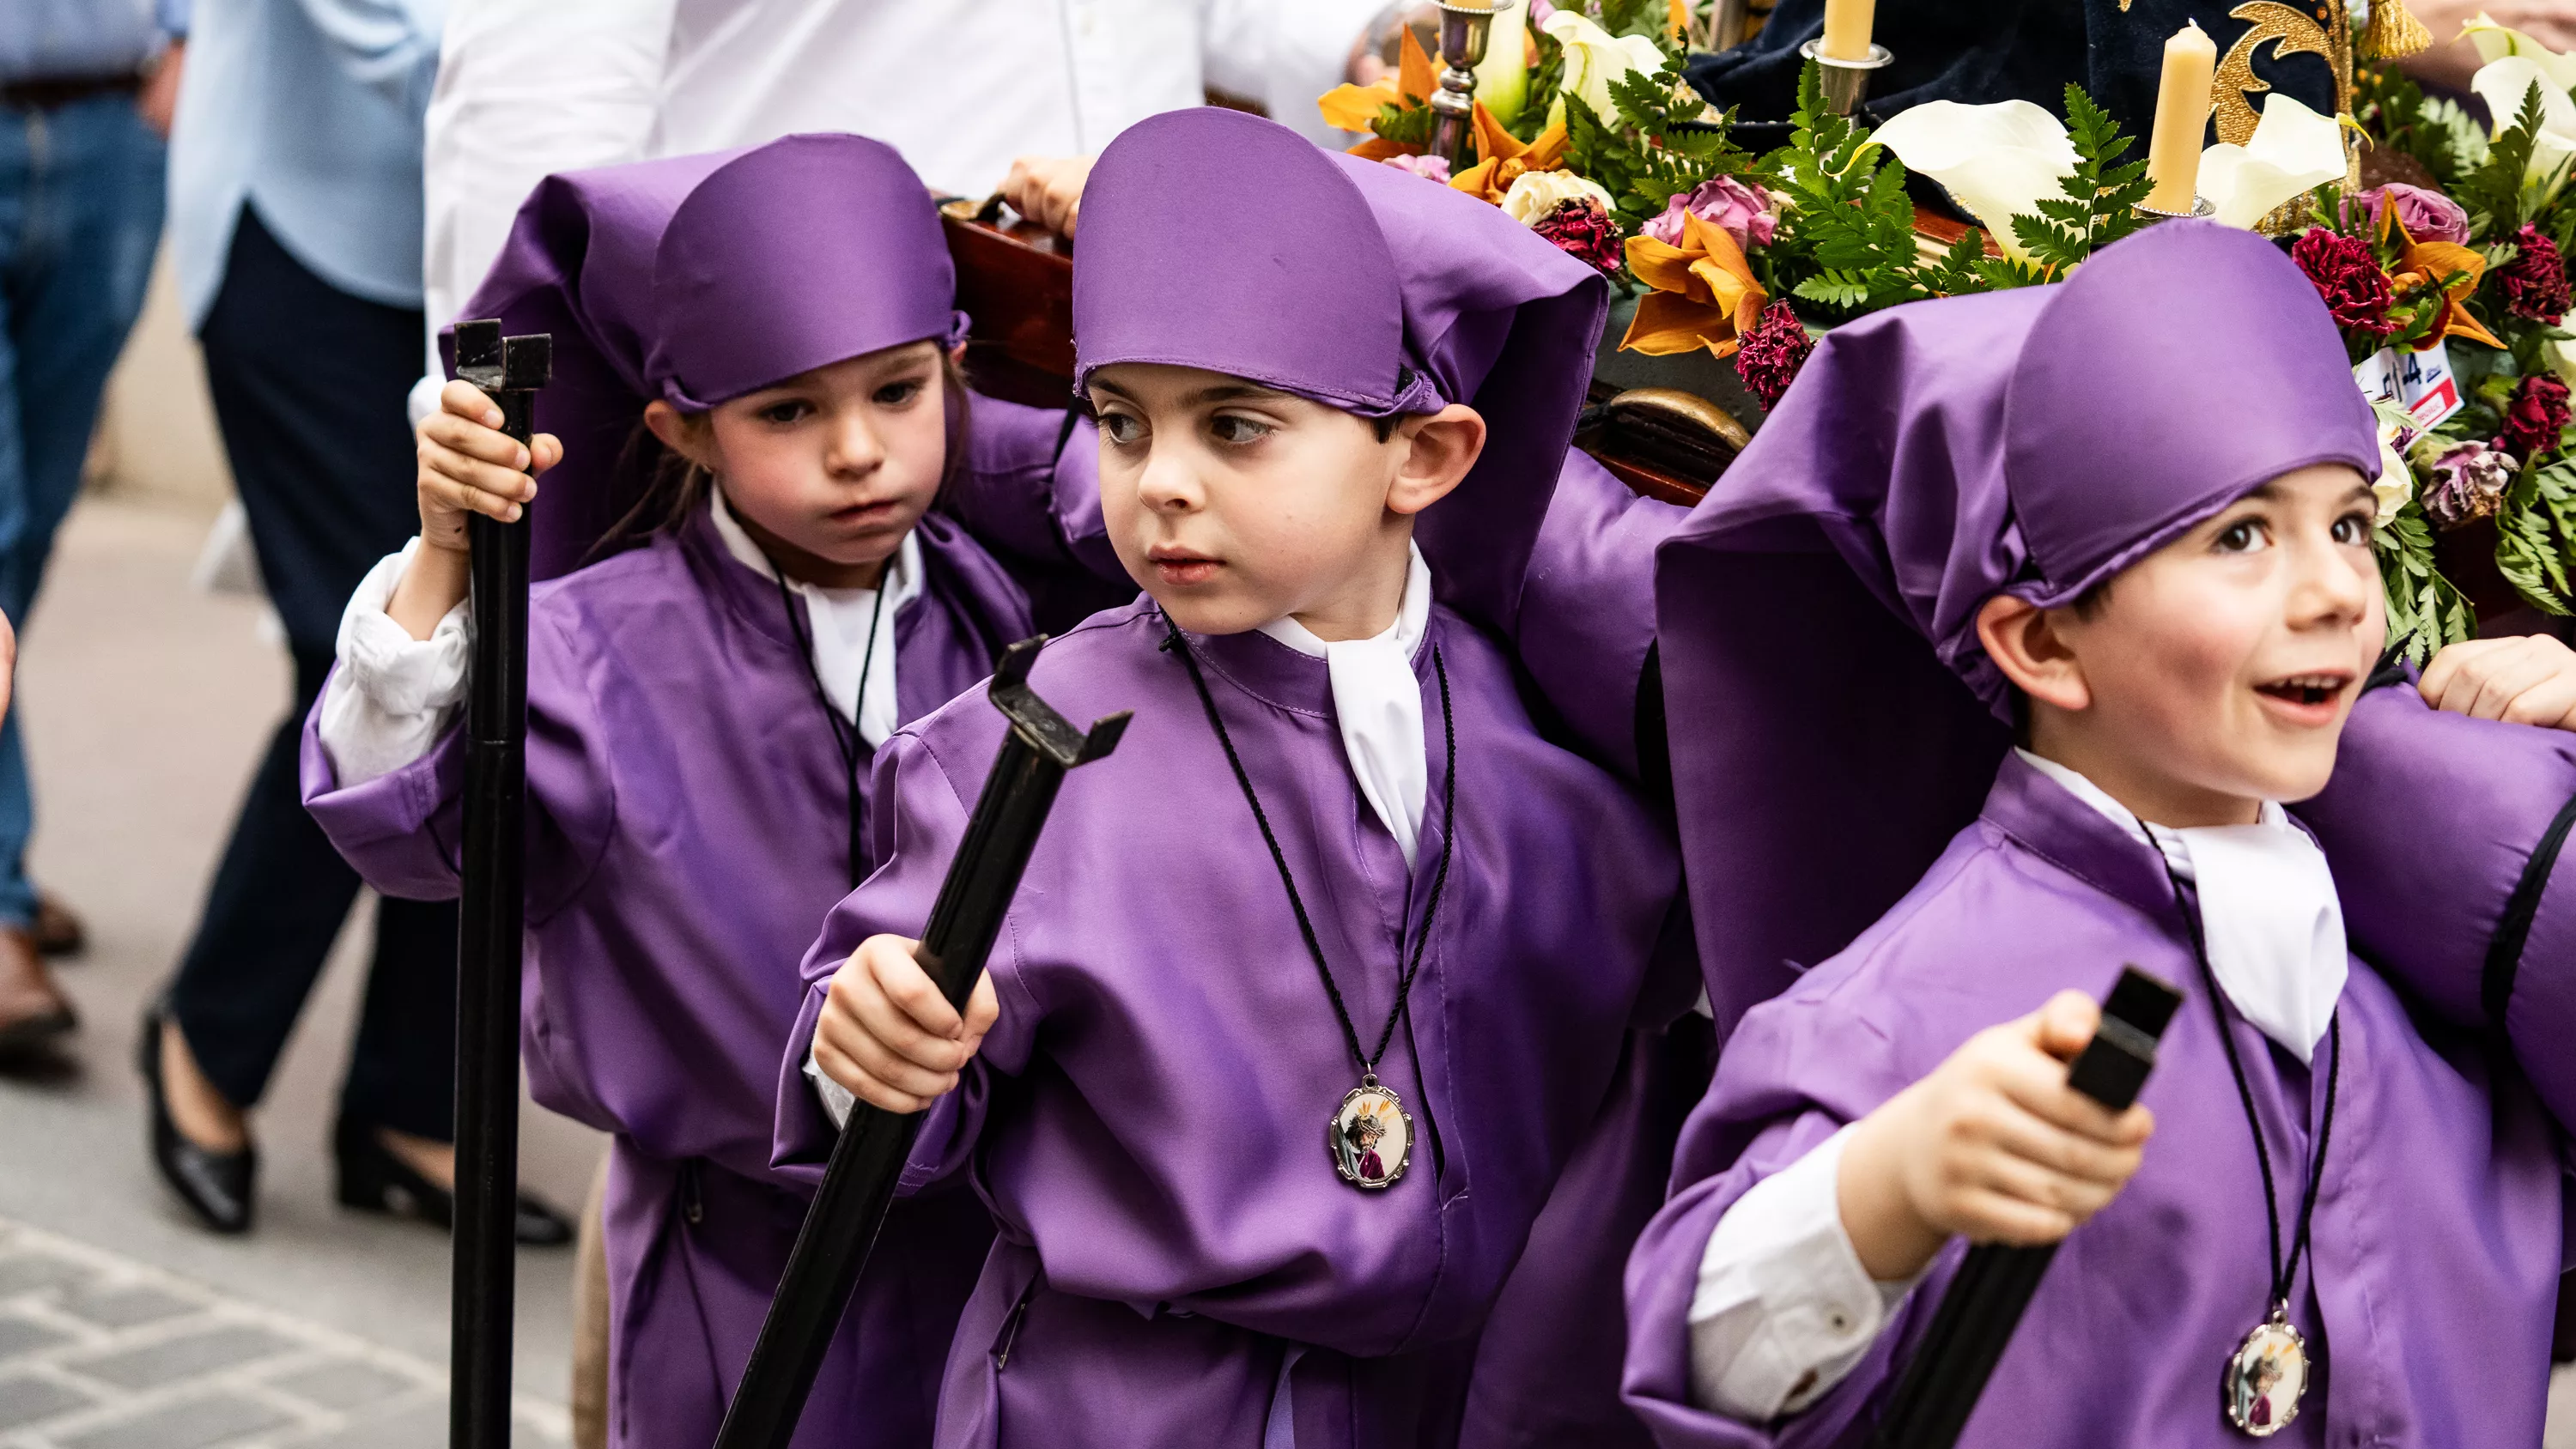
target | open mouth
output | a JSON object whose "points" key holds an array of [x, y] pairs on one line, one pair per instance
{"points": [[2308, 690]]}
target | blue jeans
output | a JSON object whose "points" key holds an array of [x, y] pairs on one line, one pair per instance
{"points": [[80, 214]]}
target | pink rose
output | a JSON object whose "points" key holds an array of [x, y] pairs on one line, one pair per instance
{"points": [[2429, 215], [1744, 211]]}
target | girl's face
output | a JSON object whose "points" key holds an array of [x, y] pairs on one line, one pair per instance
{"points": [[2217, 672], [1235, 504], [829, 469]]}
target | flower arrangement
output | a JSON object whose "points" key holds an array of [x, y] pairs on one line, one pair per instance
{"points": [[2449, 283]]}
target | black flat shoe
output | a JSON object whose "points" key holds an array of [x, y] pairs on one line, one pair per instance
{"points": [[219, 1187], [372, 1179]]}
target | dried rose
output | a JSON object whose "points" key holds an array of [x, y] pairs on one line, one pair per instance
{"points": [[2349, 278], [2428, 216], [1769, 359], [1746, 211], [1584, 231], [1429, 168], [2534, 283], [2538, 416], [2468, 482]]}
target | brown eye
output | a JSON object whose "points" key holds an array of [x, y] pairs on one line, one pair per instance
{"points": [[1121, 428], [2352, 529], [1236, 431], [896, 394], [2245, 535]]}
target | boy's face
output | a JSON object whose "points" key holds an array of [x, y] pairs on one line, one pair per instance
{"points": [[2221, 667], [1234, 504]]}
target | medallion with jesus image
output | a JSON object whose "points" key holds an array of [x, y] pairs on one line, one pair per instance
{"points": [[1371, 1137], [2266, 1377]]}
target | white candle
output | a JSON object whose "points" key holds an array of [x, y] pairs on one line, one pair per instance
{"points": [[1847, 28], [2182, 110], [1502, 77]]}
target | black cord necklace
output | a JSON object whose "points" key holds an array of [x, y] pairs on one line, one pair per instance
{"points": [[1370, 1115], [2268, 1372], [845, 732]]}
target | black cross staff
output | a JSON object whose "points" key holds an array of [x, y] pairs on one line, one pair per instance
{"points": [[510, 370], [1985, 1302], [842, 1225]]}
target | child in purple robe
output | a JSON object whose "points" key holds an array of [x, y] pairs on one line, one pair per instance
{"points": [[1333, 855], [701, 710], [2114, 533]]}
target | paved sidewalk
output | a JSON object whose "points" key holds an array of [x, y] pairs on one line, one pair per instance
{"points": [[146, 702], [99, 1351]]}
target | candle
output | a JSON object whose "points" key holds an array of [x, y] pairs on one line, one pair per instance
{"points": [[1502, 77], [1847, 29], [2182, 110]]}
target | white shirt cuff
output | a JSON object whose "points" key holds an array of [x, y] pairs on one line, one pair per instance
{"points": [[393, 695], [1784, 1308], [837, 1100]]}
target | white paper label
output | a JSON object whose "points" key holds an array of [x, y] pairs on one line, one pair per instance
{"points": [[2418, 382]]}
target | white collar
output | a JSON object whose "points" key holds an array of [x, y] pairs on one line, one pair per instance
{"points": [[2268, 910], [842, 620], [1377, 701]]}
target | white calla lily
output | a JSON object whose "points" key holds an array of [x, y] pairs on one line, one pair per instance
{"points": [[2504, 84], [1999, 160], [2293, 151], [2495, 42], [1594, 58]]}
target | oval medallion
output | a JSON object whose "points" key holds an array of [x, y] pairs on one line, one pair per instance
{"points": [[1371, 1137], [2266, 1378]]}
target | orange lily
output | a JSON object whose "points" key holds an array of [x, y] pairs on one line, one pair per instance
{"points": [[1704, 294], [1501, 158], [1677, 15], [1352, 107], [2419, 263]]}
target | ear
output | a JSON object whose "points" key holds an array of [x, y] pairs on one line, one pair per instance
{"points": [[677, 432], [1434, 450], [2026, 643]]}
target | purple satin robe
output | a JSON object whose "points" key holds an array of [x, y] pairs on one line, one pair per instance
{"points": [[2448, 839], [1178, 1263], [2428, 1290], [686, 834]]}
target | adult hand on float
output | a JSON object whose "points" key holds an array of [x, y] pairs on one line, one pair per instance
{"points": [[158, 101], [2525, 680], [1048, 190], [2453, 59]]}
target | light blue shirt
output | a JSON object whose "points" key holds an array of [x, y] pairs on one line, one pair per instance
{"points": [[311, 111], [78, 39]]}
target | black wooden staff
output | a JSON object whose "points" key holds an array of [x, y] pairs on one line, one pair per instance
{"points": [[510, 370], [1985, 1302], [842, 1225]]}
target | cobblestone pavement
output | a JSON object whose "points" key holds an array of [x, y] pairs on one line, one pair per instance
{"points": [[99, 1351]]}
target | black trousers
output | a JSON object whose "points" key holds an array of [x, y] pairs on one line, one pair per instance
{"points": [[309, 385]]}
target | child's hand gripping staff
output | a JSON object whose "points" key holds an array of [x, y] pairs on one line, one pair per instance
{"points": [[1979, 1147], [859, 1183], [510, 370]]}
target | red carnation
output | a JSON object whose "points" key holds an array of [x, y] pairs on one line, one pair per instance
{"points": [[2349, 278], [1771, 354], [1585, 232], [2535, 282], [2538, 415]]}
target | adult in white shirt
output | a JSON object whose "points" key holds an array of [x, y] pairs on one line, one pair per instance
{"points": [[527, 88]]}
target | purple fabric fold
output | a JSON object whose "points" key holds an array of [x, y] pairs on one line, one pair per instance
{"points": [[2437, 827]]}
